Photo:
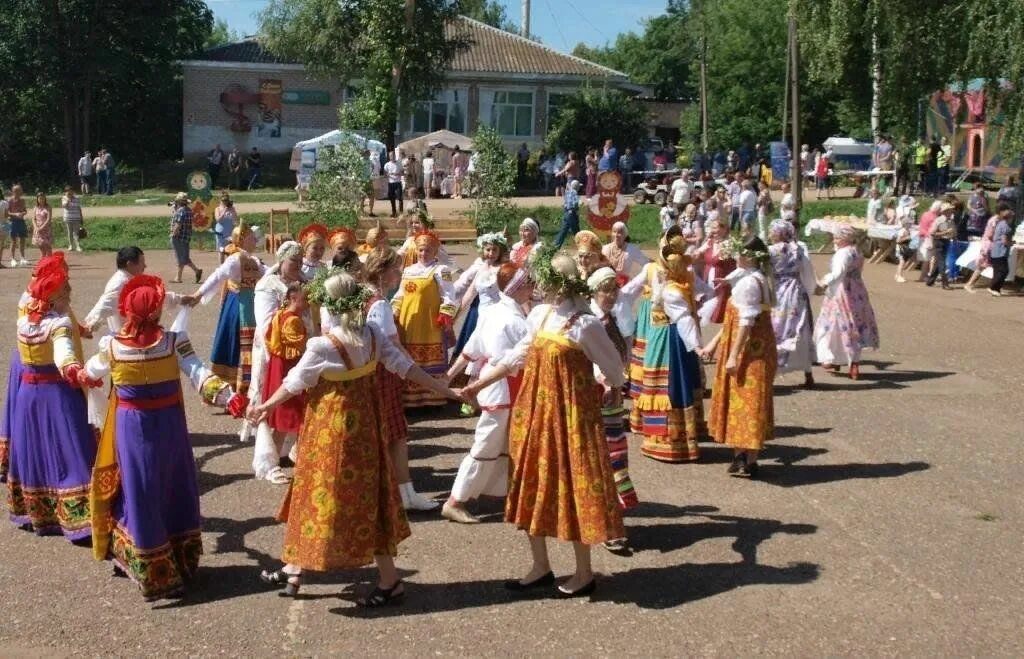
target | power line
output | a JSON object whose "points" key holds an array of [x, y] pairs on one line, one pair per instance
{"points": [[554, 21], [587, 21]]}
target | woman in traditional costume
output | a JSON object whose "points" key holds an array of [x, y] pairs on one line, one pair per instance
{"points": [[791, 317], [718, 264], [668, 402], [383, 273], [145, 494], [589, 256], [624, 257], [604, 287], [846, 323], [342, 239], [343, 509], [376, 238], [272, 441], [561, 483], [484, 471], [313, 239], [528, 244], [742, 414], [417, 223], [476, 289], [425, 307], [231, 357], [52, 447]]}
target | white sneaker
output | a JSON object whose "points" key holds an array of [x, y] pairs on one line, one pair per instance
{"points": [[23, 263], [14, 263], [78, 249], [994, 293], [413, 500]]}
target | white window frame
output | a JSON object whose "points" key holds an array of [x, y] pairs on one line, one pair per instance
{"points": [[455, 105], [490, 108]]}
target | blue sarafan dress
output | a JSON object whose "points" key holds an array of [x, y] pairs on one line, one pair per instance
{"points": [[145, 494], [231, 357], [52, 447]]}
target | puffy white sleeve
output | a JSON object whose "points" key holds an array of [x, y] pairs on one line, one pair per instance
{"points": [[212, 389], [391, 356], [266, 302], [840, 264], [230, 270], [466, 279], [380, 316], [678, 311], [746, 296], [599, 349], [636, 256], [327, 320], [515, 358], [807, 276], [313, 362], [61, 336], [98, 366]]}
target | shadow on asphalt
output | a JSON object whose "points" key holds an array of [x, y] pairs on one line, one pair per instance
{"points": [[783, 475], [653, 588], [784, 453]]}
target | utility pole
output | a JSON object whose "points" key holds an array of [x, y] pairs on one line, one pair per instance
{"points": [[524, 25], [794, 78]]}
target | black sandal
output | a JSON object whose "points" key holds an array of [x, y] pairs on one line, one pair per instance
{"points": [[382, 597]]}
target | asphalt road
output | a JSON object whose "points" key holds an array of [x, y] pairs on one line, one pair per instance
{"points": [[888, 522]]}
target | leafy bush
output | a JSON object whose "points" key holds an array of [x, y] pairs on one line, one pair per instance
{"points": [[494, 179], [339, 185]]}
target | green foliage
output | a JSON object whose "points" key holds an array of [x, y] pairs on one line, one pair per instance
{"points": [[995, 51], [658, 57], [373, 110], [374, 41], [494, 179], [591, 116], [339, 185], [82, 76], [220, 35]]}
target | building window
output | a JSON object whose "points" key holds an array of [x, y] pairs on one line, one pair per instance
{"points": [[510, 113], [555, 104], [446, 111]]}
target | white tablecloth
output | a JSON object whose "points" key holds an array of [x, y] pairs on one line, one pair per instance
{"points": [[969, 259], [879, 231]]}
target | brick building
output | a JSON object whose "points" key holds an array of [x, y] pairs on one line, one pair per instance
{"points": [[240, 94]]}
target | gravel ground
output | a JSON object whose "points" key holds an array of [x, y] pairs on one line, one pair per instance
{"points": [[888, 522]]}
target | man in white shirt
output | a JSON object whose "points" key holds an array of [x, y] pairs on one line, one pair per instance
{"points": [[747, 205], [393, 170], [681, 191], [131, 261], [85, 172], [428, 174]]}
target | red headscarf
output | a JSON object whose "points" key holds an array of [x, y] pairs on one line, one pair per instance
{"points": [[49, 279], [49, 261], [140, 303]]}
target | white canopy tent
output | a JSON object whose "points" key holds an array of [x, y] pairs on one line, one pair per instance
{"points": [[304, 153]]}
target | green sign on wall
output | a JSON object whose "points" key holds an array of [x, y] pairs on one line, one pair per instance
{"points": [[306, 97]]}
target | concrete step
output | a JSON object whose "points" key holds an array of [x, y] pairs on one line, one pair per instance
{"points": [[455, 223]]}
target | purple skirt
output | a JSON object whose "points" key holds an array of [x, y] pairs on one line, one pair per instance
{"points": [[156, 537], [13, 384], [52, 453]]}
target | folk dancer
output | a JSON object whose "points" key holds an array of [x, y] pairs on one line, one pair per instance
{"points": [[846, 323], [561, 483], [343, 509], [144, 496], [528, 244], [484, 471], [425, 307], [742, 414], [792, 320]]}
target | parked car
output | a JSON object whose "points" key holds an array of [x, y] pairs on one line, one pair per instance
{"points": [[652, 190]]}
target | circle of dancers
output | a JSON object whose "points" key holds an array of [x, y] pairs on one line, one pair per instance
{"points": [[320, 362]]}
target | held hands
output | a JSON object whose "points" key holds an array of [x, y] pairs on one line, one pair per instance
{"points": [[189, 300], [76, 376], [86, 332], [256, 413], [444, 321]]}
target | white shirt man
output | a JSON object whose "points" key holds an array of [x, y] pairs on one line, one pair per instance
{"points": [[85, 165], [106, 308], [393, 170], [747, 199], [681, 191]]}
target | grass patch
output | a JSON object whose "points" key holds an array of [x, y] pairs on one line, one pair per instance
{"points": [[159, 197]]}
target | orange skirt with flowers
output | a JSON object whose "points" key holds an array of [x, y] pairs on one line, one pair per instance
{"points": [[561, 482], [343, 506], [742, 411]]}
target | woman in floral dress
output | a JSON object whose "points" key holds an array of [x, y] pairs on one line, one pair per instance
{"points": [[343, 509], [846, 324], [742, 414], [791, 315]]}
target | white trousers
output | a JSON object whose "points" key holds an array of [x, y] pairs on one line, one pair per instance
{"points": [[268, 453], [485, 470]]}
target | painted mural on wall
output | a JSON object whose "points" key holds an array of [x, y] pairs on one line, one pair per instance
{"points": [[269, 123], [970, 118]]}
